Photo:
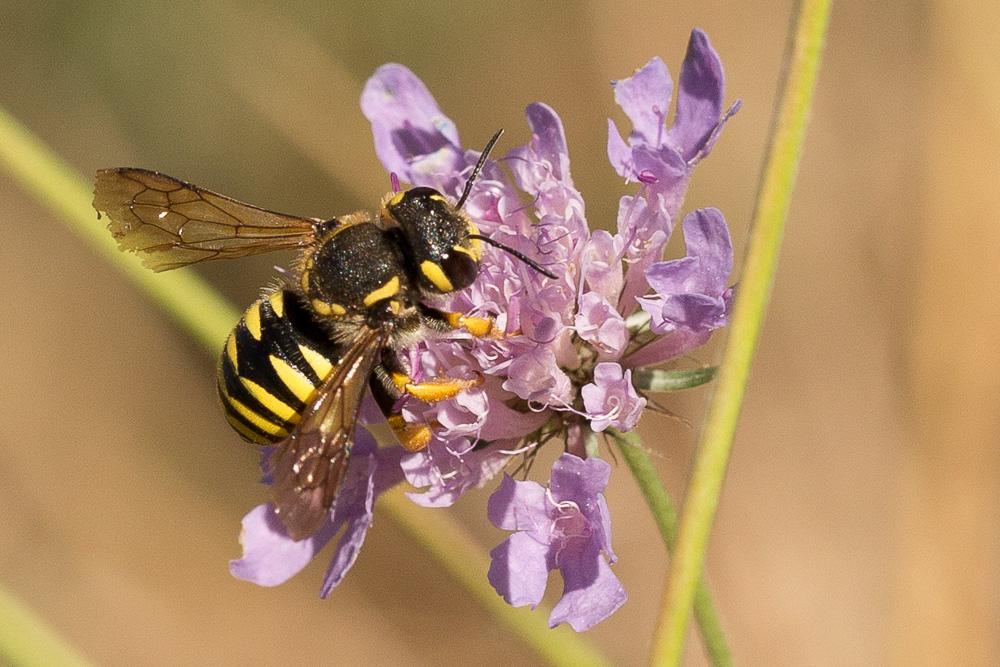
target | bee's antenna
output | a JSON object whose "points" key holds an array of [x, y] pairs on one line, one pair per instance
{"points": [[479, 167], [521, 256]]}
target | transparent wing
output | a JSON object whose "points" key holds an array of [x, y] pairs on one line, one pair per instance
{"points": [[170, 223], [307, 468]]}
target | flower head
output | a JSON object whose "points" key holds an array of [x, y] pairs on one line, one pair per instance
{"points": [[565, 527]]}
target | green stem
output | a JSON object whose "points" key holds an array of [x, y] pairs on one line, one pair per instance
{"points": [[784, 154], [26, 640], [208, 317], [665, 514]]}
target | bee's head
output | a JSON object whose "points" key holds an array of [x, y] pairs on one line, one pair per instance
{"points": [[440, 238], [443, 245]]}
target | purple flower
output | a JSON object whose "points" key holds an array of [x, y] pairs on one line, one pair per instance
{"points": [[691, 298], [657, 155], [562, 369], [663, 158], [271, 557], [598, 323], [412, 137], [565, 528], [611, 400]]}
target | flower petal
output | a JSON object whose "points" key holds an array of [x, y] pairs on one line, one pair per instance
{"points": [[707, 238], [545, 158], [270, 556], [675, 276], [580, 480], [360, 499], [645, 99], [407, 123], [695, 312], [668, 347], [518, 570], [699, 98], [450, 468], [619, 153], [519, 506], [591, 593], [505, 423], [611, 400]]}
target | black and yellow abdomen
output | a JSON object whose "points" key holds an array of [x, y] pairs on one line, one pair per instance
{"points": [[271, 365]]}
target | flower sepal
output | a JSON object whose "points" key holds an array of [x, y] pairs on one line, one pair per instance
{"points": [[676, 379]]}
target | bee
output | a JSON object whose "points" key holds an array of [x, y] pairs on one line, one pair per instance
{"points": [[295, 369]]}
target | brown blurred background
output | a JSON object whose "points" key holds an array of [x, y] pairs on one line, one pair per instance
{"points": [[859, 523]]}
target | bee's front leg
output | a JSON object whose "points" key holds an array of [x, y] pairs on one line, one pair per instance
{"points": [[440, 320]]}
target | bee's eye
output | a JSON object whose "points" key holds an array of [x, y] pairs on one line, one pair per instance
{"points": [[460, 268]]}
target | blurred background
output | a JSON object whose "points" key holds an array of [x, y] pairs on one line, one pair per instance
{"points": [[859, 523]]}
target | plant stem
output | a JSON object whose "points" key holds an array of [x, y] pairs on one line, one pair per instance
{"points": [[26, 640], [665, 514], [208, 317], [784, 154]]}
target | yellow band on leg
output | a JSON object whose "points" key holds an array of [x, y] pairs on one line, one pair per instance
{"points": [[439, 389], [413, 437], [480, 327]]}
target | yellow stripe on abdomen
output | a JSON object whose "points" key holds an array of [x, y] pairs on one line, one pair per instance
{"points": [[271, 402], [292, 378], [321, 365], [256, 420]]}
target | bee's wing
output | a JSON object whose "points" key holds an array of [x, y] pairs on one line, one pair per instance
{"points": [[170, 223], [308, 467]]}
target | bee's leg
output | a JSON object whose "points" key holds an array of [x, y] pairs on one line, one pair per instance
{"points": [[413, 437], [391, 381], [480, 327]]}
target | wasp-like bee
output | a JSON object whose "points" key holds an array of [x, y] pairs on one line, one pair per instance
{"points": [[294, 371]]}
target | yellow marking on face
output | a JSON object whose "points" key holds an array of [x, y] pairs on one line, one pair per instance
{"points": [[473, 250], [395, 307], [320, 364], [252, 320], [398, 197], [391, 288], [277, 300], [231, 350], [283, 410], [265, 425], [438, 198], [476, 244], [296, 382], [243, 430], [434, 273], [321, 307]]}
